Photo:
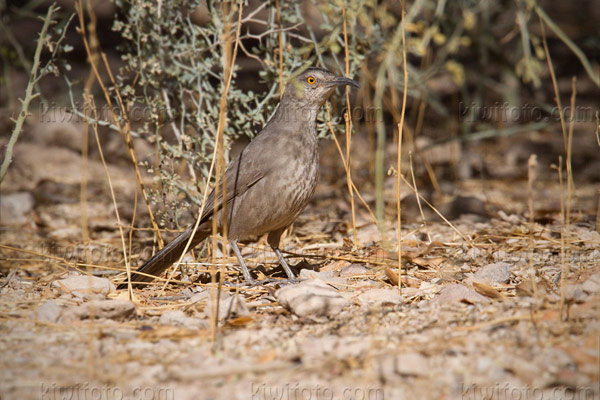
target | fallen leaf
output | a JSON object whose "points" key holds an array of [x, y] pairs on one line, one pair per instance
{"points": [[487, 290], [406, 280], [240, 321]]}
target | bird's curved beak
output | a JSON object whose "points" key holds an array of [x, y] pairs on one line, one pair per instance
{"points": [[341, 81]]}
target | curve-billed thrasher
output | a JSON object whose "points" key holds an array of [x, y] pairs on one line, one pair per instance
{"points": [[271, 181]]}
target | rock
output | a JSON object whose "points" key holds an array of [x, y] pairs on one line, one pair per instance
{"points": [[354, 269], [15, 207], [394, 367], [458, 292], [108, 309], [591, 284], [35, 162], [312, 298], [67, 233], [380, 296], [574, 292], [412, 364], [82, 285], [229, 306], [180, 318], [463, 205], [494, 273], [310, 274], [49, 311], [326, 276], [58, 131]]}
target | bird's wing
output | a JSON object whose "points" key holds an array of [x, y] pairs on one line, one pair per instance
{"points": [[237, 181]]}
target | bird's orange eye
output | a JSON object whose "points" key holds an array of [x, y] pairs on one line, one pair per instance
{"points": [[311, 80]]}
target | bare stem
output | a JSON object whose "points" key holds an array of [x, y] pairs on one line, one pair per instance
{"points": [[29, 95], [399, 166]]}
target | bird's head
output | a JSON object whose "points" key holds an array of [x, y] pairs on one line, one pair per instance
{"points": [[313, 86]]}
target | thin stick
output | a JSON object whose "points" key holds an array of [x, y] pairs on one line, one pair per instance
{"points": [[229, 62], [341, 153], [87, 90], [280, 39], [132, 226], [348, 121], [597, 128], [114, 199], [565, 266], [125, 131], [554, 84], [594, 76], [220, 129], [414, 182], [569, 152], [562, 238], [399, 166], [435, 210], [598, 140], [531, 165]]}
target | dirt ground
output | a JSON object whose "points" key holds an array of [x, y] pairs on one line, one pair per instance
{"points": [[492, 305]]}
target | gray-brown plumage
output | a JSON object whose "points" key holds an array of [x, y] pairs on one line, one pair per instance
{"points": [[271, 181]]}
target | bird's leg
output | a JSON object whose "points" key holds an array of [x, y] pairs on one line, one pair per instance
{"points": [[273, 240], [284, 264], [245, 271]]}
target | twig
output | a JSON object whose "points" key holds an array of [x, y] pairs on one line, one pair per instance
{"points": [[567, 221], [341, 153], [554, 84], [594, 76], [598, 140], [29, 95], [399, 166], [348, 125], [419, 205], [280, 40], [87, 109], [112, 194], [435, 210], [562, 237], [125, 130]]}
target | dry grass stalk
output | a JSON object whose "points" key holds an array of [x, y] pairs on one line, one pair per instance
{"points": [[125, 129], [566, 255], [112, 195], [343, 158], [229, 62], [567, 141], [554, 84], [399, 198], [562, 237], [435, 210], [348, 125], [598, 140], [87, 90], [280, 42], [531, 176], [414, 182], [399, 165]]}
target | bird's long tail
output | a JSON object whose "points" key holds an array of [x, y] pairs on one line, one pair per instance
{"points": [[165, 257]]}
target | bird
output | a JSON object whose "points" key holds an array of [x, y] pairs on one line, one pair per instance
{"points": [[270, 182]]}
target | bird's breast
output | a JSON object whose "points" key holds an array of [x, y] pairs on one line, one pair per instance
{"points": [[279, 197]]}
